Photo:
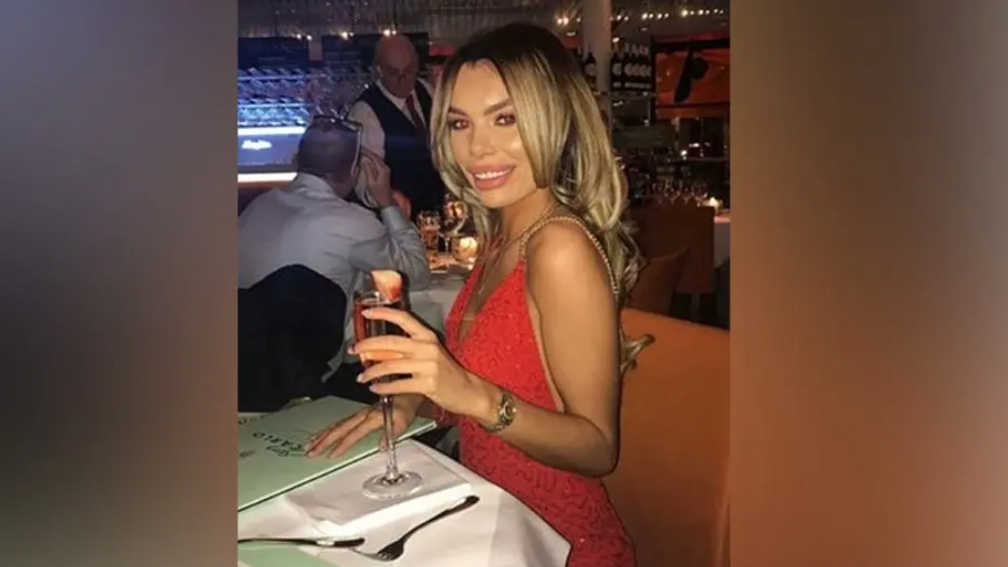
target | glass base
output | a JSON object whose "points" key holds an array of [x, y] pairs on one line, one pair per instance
{"points": [[379, 488]]}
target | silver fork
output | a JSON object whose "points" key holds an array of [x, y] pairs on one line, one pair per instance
{"points": [[394, 550]]}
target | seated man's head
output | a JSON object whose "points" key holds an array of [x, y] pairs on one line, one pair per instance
{"points": [[328, 149]]}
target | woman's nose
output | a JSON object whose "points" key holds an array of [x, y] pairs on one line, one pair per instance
{"points": [[480, 143]]}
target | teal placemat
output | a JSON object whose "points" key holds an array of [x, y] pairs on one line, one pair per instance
{"points": [[246, 417], [280, 557]]}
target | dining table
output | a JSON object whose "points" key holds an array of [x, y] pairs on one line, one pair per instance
{"points": [[433, 304], [498, 531]]}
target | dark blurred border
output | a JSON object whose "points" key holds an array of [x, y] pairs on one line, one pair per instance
{"points": [[117, 294], [868, 328]]}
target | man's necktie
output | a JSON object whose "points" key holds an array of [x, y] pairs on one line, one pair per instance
{"points": [[414, 115]]}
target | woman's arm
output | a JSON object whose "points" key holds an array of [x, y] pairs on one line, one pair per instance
{"points": [[569, 288]]}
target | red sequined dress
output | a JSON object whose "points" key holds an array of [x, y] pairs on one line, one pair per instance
{"points": [[500, 346]]}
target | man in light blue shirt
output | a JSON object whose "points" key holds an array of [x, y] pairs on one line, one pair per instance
{"points": [[310, 222]]}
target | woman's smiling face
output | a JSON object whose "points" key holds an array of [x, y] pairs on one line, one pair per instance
{"points": [[485, 140]]}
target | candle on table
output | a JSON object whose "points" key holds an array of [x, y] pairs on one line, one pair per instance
{"points": [[465, 249], [713, 203]]}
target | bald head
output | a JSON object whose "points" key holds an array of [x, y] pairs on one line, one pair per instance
{"points": [[329, 150], [398, 64]]}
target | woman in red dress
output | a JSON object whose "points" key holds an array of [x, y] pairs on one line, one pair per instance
{"points": [[533, 356]]}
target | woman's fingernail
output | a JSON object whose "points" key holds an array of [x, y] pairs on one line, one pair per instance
{"points": [[360, 378]]}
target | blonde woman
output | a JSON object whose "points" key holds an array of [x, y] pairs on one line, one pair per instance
{"points": [[531, 366]]}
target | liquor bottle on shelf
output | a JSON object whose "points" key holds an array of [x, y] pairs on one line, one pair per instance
{"points": [[632, 69], [645, 72], [590, 71], [641, 67], [648, 69], [617, 69], [626, 62], [642, 78]]}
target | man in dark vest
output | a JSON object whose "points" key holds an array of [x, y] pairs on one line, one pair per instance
{"points": [[395, 115]]}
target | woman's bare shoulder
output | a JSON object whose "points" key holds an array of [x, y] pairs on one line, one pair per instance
{"points": [[562, 251]]}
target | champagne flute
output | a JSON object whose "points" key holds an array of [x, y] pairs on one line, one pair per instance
{"points": [[383, 289]]}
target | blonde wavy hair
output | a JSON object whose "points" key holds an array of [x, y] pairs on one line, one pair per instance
{"points": [[566, 140]]}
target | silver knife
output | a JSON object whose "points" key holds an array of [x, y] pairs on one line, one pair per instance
{"points": [[312, 541]]}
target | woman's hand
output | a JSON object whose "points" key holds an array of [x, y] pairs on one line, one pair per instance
{"points": [[342, 435], [432, 371]]}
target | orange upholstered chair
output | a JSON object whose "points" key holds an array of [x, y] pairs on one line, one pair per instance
{"points": [[670, 487]]}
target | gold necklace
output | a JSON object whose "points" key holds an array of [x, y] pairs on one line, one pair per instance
{"points": [[499, 252]]}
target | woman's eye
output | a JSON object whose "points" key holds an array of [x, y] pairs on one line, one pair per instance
{"points": [[506, 119], [457, 124]]}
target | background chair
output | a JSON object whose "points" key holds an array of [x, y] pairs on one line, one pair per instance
{"points": [[669, 229], [657, 282], [290, 325]]}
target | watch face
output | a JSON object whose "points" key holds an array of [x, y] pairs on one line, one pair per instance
{"points": [[509, 409]]}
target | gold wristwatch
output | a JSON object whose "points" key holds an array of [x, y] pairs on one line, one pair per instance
{"points": [[507, 409]]}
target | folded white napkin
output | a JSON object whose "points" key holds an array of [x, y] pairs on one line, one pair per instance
{"points": [[466, 539], [339, 507]]}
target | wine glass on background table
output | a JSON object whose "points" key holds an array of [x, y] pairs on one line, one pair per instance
{"points": [[383, 288], [429, 224], [454, 215]]}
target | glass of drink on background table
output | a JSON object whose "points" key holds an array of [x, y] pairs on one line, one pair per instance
{"points": [[383, 288], [429, 224]]}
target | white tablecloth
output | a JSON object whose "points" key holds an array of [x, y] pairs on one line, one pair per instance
{"points": [[499, 531], [722, 239], [433, 304]]}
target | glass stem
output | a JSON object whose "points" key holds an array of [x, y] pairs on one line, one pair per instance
{"points": [[391, 466]]}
